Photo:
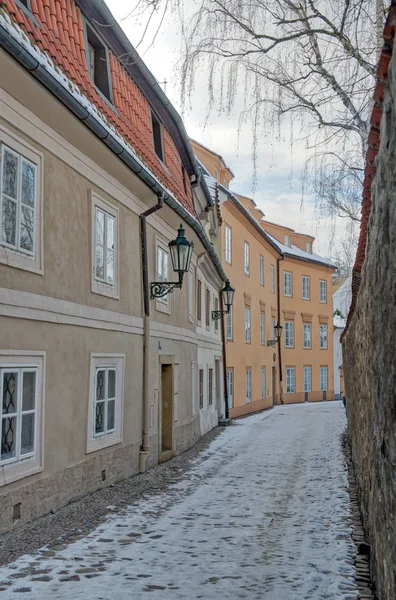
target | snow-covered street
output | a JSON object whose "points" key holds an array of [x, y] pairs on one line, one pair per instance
{"points": [[263, 514]]}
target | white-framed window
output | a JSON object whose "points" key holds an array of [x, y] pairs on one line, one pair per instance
{"points": [[248, 385], [216, 307], [272, 328], [289, 334], [246, 258], [207, 308], [104, 248], [262, 328], [228, 244], [323, 337], [162, 274], [193, 387], [263, 382], [229, 324], [230, 387], [290, 380], [226, 183], [216, 174], [323, 379], [105, 408], [305, 287], [273, 279], [210, 387], [306, 335], [323, 291], [261, 269], [21, 236], [190, 295], [287, 283], [307, 379], [287, 240], [201, 388], [247, 325], [21, 414], [308, 247]]}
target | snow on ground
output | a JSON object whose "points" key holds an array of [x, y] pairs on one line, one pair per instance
{"points": [[264, 516]]}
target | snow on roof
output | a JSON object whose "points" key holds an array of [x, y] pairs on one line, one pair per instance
{"points": [[296, 252]]}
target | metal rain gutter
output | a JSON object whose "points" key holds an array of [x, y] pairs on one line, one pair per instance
{"points": [[25, 58]]}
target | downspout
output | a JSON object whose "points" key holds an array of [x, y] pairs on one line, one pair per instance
{"points": [[279, 317], [223, 340], [144, 451]]}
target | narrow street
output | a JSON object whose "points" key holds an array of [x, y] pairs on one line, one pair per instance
{"points": [[263, 514]]}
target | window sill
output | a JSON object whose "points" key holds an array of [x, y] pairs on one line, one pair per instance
{"points": [[13, 258], [162, 307], [19, 470], [102, 442], [104, 289]]}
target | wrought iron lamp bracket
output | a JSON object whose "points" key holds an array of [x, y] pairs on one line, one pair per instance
{"points": [[159, 289], [217, 314]]}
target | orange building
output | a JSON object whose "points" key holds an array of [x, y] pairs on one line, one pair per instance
{"points": [[277, 278]]}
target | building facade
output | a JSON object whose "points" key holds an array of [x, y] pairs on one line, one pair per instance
{"points": [[97, 380]]}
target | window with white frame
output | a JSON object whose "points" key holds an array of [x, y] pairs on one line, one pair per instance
{"points": [[225, 183], [210, 387], [230, 386], [272, 328], [307, 379], [228, 242], [21, 410], [272, 278], [193, 387], [305, 287], [323, 291], [306, 335], [246, 259], [262, 328], [287, 283], [287, 240], [289, 334], [20, 204], [216, 174], [261, 269], [263, 382], [308, 247], [190, 294], [105, 250], [216, 307], [323, 379], [323, 337], [229, 324], [248, 385], [106, 405], [162, 270], [290, 380], [247, 325], [201, 388], [207, 308]]}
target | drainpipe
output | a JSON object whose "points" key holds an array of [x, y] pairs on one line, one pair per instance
{"points": [[144, 451], [223, 340], [279, 342]]}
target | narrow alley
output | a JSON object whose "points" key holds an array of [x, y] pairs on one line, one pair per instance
{"points": [[262, 514]]}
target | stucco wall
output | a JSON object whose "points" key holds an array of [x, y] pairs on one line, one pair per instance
{"points": [[369, 363]]}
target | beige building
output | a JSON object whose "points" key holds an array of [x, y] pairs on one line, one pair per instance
{"points": [[97, 379]]}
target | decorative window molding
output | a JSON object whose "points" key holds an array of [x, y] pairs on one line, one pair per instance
{"points": [[248, 385], [306, 287], [105, 244], [288, 284], [273, 279], [229, 324], [323, 379], [262, 329], [307, 335], [263, 382], [162, 274], [261, 269], [106, 400], [248, 300], [22, 396], [290, 380], [289, 334], [228, 244], [21, 204], [247, 325], [230, 386], [246, 258], [307, 379], [322, 291], [323, 337]]}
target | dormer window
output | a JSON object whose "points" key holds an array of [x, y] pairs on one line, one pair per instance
{"points": [[98, 62], [157, 137], [287, 241], [308, 247], [225, 183], [216, 174]]}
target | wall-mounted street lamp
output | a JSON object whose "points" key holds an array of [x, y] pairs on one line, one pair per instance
{"points": [[181, 252], [228, 298], [278, 332]]}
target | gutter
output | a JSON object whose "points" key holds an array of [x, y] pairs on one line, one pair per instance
{"points": [[11, 39], [278, 260]]}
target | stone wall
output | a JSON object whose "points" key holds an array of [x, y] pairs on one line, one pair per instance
{"points": [[370, 363]]}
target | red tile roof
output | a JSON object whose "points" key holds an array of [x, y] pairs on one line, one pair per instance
{"points": [[61, 35], [373, 147]]}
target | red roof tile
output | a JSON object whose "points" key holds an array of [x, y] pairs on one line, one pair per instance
{"points": [[61, 35]]}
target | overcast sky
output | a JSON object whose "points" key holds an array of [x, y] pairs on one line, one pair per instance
{"points": [[278, 191]]}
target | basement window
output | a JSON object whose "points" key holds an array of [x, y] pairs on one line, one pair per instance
{"points": [[157, 137], [98, 62]]}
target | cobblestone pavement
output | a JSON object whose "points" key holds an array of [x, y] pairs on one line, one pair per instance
{"points": [[262, 514]]}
